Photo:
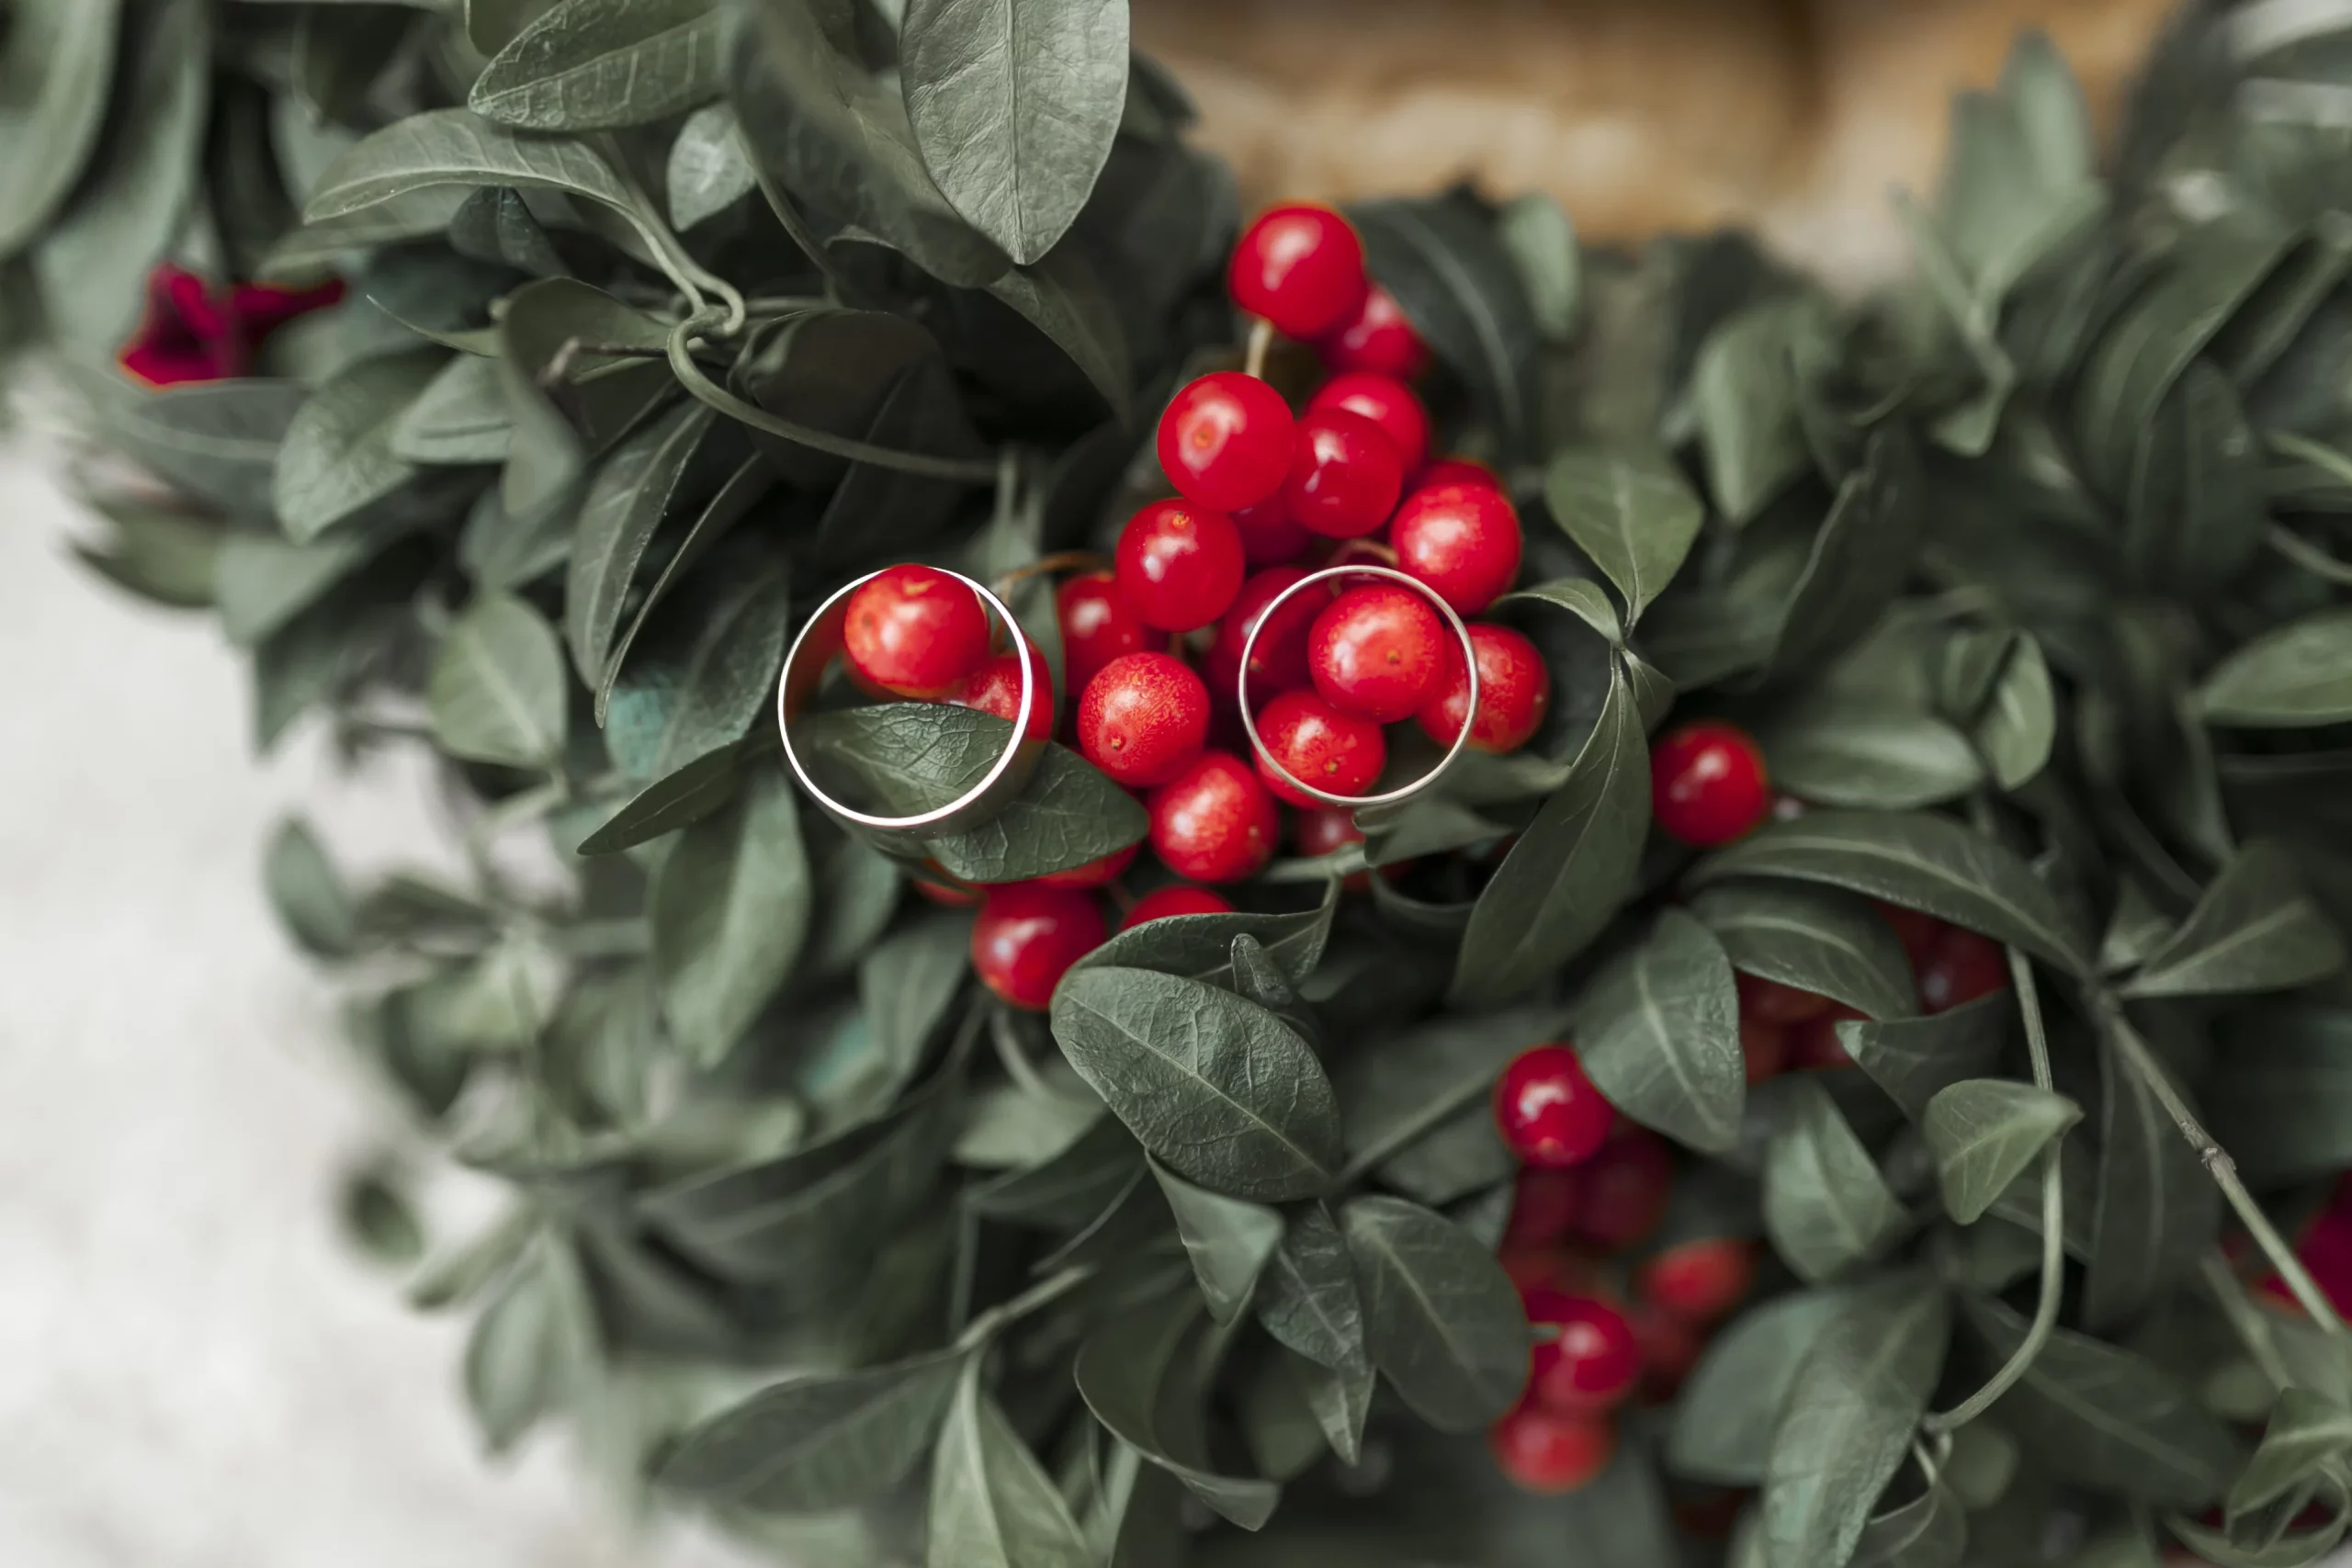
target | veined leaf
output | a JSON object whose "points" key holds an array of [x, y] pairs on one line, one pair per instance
{"points": [[823, 1441], [1826, 1205], [498, 692], [1658, 1031], [2255, 930], [1443, 1320], [1984, 1132], [1632, 514], [992, 1504], [729, 908], [1817, 939], [603, 65]]}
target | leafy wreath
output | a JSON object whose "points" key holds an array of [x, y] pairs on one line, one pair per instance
{"points": [[514, 379]]}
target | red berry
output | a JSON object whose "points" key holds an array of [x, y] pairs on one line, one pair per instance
{"points": [[1763, 1046], [1546, 1452], [1707, 784], [1179, 565], [915, 631], [1699, 1281], [1595, 1361], [1142, 718], [1225, 441], [1027, 936], [1962, 966], [1543, 1206], [1094, 872], [1097, 627], [1626, 1185], [1463, 540], [1380, 339], [1345, 475], [1268, 535], [1214, 822], [1301, 268], [1815, 1042], [1379, 651], [1325, 829], [1549, 1113], [1278, 663], [1175, 899], [1918, 932], [1514, 691], [1335, 753], [995, 688], [1457, 471], [1388, 403], [1769, 1001], [1670, 1349]]}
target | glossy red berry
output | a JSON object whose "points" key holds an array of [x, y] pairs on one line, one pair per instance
{"points": [[1094, 872], [1380, 339], [1595, 1361], [1463, 540], [1278, 661], [1142, 718], [1769, 1001], [1962, 966], [1302, 268], [1707, 784], [1457, 471], [1322, 830], [1345, 475], [1225, 441], [1388, 403], [1815, 1044], [1268, 538], [1699, 1281], [1549, 1454], [1763, 1048], [1335, 753], [1379, 651], [995, 688], [1545, 1202], [915, 631], [1549, 1113], [1514, 691], [1214, 822], [1097, 627], [1175, 899], [1626, 1187], [1178, 565], [1027, 936]]}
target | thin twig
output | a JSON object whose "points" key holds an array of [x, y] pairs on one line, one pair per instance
{"points": [[1262, 341], [2243, 1322]]}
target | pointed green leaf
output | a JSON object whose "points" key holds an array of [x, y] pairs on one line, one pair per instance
{"points": [[1200, 947], [820, 1440], [632, 491], [604, 65], [1826, 1205], [1984, 1132], [1308, 1298], [498, 693], [1817, 939], [460, 417], [446, 147], [1728, 1410], [1228, 1239], [1912, 1058], [1658, 1031], [308, 892], [2157, 1211], [1876, 756], [709, 171], [1120, 1372], [2297, 675], [730, 907], [992, 1504], [2255, 930], [1443, 1320], [338, 459], [1929, 1531], [1630, 513], [54, 76]]}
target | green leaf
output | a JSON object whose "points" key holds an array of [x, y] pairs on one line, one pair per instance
{"points": [[1984, 1132], [1408, 1084], [1860, 558], [2253, 930], [446, 147], [1070, 814], [1200, 947], [2100, 1415], [2284, 1109], [1817, 939], [633, 490], [1728, 1411], [1826, 1205], [1658, 1032], [460, 417], [1630, 513], [604, 65], [2305, 1432], [2157, 1209], [1458, 286], [2195, 514], [498, 690], [54, 74], [992, 1504], [1228, 1239], [1849, 1418], [675, 801], [906, 985], [1929, 1531], [1443, 1322], [1919, 862], [1307, 1297], [1542, 240], [1912, 1059], [2297, 675], [729, 908], [1744, 395], [707, 673], [1220, 1089], [2302, 1549], [337, 459], [820, 1440], [709, 171], [1015, 115], [1839, 751], [2017, 723], [1568, 872], [308, 893], [1581, 597], [1062, 296], [1122, 1370], [216, 442], [529, 1344], [165, 556], [1341, 1398]]}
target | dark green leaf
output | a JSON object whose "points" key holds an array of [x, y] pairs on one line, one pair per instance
{"points": [[709, 171], [1542, 240], [1413, 1082], [1658, 1031], [216, 442], [165, 557], [262, 581], [2284, 1109], [1630, 513], [496, 225], [1914, 1059], [2255, 930], [992, 1504], [54, 73], [308, 892], [498, 691], [820, 1440], [1849, 1418], [1929, 1531], [2303, 1548], [1725, 1417], [460, 417], [529, 1344], [679, 703], [2157, 1209], [1341, 1398], [2297, 675], [1218, 1088], [1307, 1298], [1568, 872], [1458, 286], [1071, 813], [1860, 558], [2305, 1432], [2195, 514], [1984, 1132], [2017, 721], [1015, 115], [337, 459], [670, 802], [1817, 939], [1062, 297], [1444, 1321], [1826, 1205], [1581, 597], [906, 985], [443, 147], [603, 65], [1120, 1372], [1460, 1156], [729, 908], [633, 489], [1878, 756], [1919, 862], [1744, 396], [1200, 947], [1229, 1240]]}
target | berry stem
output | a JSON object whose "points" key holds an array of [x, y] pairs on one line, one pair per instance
{"points": [[2053, 1227], [1060, 561], [1262, 341]]}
